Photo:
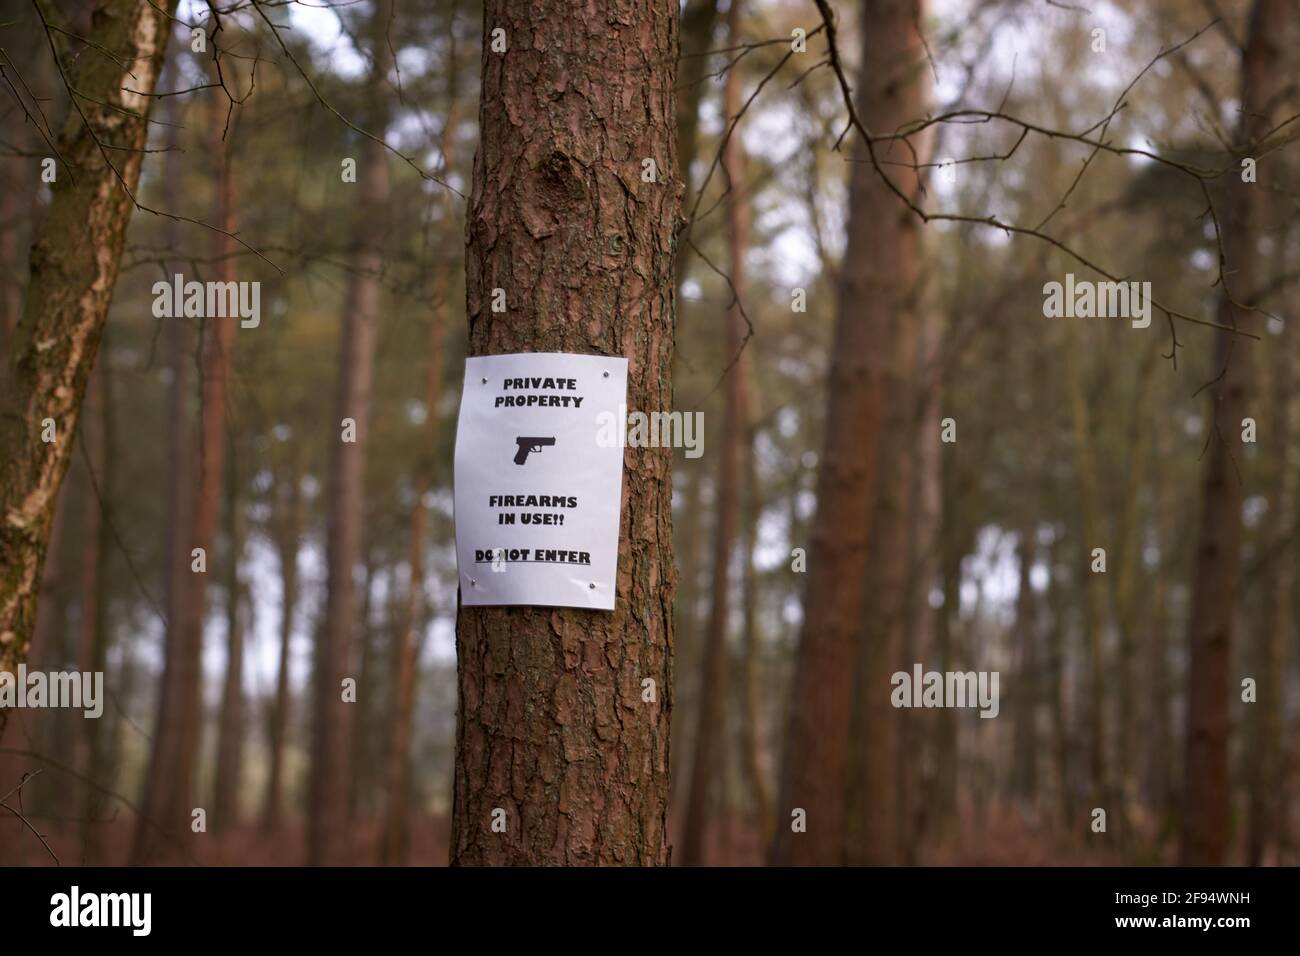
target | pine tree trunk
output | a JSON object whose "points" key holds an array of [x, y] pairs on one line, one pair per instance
{"points": [[11, 290], [74, 263], [751, 695], [92, 652], [1206, 795], [395, 848], [1062, 739], [1266, 767], [1158, 736], [699, 20], [331, 720], [164, 824], [230, 723], [286, 546], [555, 725], [1128, 582], [924, 558], [180, 473], [688, 542], [950, 548], [873, 834], [362, 657], [1024, 779], [1092, 584], [711, 727], [92, 538], [877, 277]]}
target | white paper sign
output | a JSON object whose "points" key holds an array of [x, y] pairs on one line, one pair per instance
{"points": [[537, 497]]}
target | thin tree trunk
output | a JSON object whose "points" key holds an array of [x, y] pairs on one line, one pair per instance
{"points": [[180, 477], [11, 289], [875, 823], [92, 652], [711, 727], [751, 674], [395, 847], [555, 724], [362, 657], [286, 544], [689, 544], [1024, 780], [925, 555], [74, 263], [699, 20], [951, 548], [1061, 737], [92, 538], [230, 724], [331, 723], [1266, 767], [1091, 583], [1157, 720], [169, 785], [1127, 580], [879, 266], [1206, 795]]}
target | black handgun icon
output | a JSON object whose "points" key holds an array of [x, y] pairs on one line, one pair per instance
{"points": [[527, 444]]}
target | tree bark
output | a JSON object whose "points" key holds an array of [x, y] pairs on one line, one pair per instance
{"points": [[880, 256], [74, 263], [331, 722], [553, 724], [20, 732], [1216, 577]]}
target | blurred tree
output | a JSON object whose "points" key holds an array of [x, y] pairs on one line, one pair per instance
{"points": [[711, 726], [877, 282], [168, 802], [74, 262], [331, 720], [1217, 575]]}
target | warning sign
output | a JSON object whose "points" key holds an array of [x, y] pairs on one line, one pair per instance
{"points": [[537, 489]]}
